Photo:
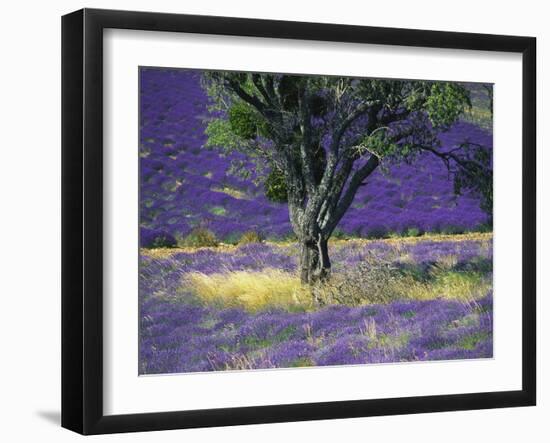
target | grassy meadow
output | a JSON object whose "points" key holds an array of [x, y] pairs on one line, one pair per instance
{"points": [[243, 307]]}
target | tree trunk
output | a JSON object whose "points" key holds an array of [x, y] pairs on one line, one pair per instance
{"points": [[314, 261]]}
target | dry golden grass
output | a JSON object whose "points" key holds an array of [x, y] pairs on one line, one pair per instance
{"points": [[160, 253], [349, 289], [270, 288], [475, 236], [466, 287], [235, 193], [335, 243]]}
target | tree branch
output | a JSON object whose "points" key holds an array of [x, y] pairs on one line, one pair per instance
{"points": [[348, 121], [257, 80], [367, 169], [448, 156], [336, 191], [306, 153], [250, 99]]}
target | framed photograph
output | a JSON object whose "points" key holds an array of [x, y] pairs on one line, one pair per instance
{"points": [[269, 221]]}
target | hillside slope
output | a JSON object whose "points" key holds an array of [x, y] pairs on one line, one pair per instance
{"points": [[183, 185]]}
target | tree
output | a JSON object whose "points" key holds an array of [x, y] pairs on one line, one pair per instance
{"points": [[324, 136]]}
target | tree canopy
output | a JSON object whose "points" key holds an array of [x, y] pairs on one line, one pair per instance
{"points": [[316, 139]]}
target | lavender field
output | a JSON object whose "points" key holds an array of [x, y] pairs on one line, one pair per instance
{"points": [[220, 285]]}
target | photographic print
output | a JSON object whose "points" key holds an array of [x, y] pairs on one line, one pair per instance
{"points": [[292, 221]]}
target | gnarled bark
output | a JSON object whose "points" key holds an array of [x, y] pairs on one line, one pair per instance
{"points": [[314, 260]]}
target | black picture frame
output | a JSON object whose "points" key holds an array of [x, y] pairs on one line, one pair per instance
{"points": [[82, 218]]}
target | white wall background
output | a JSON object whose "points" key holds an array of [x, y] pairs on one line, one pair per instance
{"points": [[30, 219]]}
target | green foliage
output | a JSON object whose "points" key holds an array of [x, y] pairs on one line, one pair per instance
{"points": [[250, 237], [339, 234], [220, 135], [199, 237], [412, 232], [273, 118], [242, 120], [471, 341], [452, 229], [162, 241], [218, 210], [232, 238], [446, 102], [302, 362], [408, 314], [275, 186], [484, 227], [477, 175], [245, 122], [376, 143]]}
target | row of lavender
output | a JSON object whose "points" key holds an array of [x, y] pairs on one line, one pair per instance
{"points": [[184, 186], [180, 334]]}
